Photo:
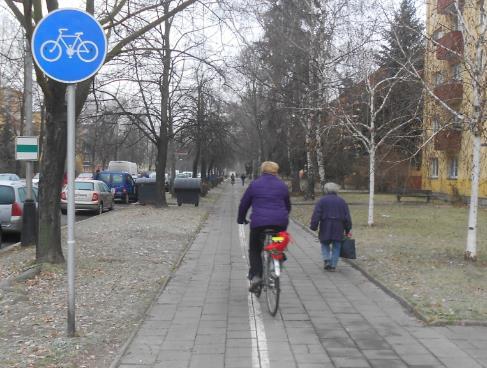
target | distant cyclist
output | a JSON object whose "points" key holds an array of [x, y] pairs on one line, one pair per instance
{"points": [[269, 198]]}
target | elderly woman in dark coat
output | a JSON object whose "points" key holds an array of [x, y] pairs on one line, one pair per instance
{"points": [[332, 216]]}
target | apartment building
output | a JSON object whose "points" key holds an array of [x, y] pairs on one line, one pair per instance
{"points": [[454, 30]]}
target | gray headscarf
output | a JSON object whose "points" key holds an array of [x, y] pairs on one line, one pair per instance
{"points": [[331, 188]]}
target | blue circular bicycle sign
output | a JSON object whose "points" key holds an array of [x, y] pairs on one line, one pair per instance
{"points": [[69, 45]]}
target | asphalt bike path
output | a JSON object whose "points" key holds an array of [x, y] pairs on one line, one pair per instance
{"points": [[205, 317]]}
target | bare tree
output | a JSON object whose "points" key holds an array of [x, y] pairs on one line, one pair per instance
{"points": [[360, 112], [124, 22]]}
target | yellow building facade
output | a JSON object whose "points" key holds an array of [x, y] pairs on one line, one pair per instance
{"points": [[447, 155]]}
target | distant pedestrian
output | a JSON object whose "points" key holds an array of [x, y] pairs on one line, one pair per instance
{"points": [[332, 217], [242, 177]]}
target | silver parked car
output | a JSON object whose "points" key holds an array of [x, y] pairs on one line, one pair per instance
{"points": [[12, 198], [9, 177], [89, 195]]}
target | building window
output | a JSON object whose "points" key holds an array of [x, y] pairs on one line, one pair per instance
{"points": [[456, 72], [453, 168], [434, 167], [436, 125], [438, 78]]}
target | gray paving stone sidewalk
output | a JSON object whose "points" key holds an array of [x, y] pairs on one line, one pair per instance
{"points": [[205, 317]]}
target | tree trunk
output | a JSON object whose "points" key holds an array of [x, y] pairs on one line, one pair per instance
{"points": [[321, 162], [161, 170], [471, 248], [52, 166], [310, 190], [163, 140], [370, 220], [310, 149], [172, 157], [294, 171], [204, 170], [196, 159]]}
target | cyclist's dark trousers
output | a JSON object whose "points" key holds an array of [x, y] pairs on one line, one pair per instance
{"points": [[256, 243]]}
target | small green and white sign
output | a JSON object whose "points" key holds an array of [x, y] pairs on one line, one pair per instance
{"points": [[27, 148]]}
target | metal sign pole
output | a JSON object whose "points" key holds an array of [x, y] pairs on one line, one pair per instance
{"points": [[69, 65], [28, 113], [29, 220], [71, 101]]}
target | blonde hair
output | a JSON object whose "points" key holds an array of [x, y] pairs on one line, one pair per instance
{"points": [[269, 167]]}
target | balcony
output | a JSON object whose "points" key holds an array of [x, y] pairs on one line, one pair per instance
{"points": [[448, 140], [450, 47], [450, 92], [448, 6]]}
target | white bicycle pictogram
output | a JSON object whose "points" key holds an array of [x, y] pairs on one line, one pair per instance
{"points": [[52, 51]]}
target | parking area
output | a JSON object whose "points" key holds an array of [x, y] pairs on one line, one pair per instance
{"points": [[10, 239]]}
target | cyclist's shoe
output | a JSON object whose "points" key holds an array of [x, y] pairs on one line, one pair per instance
{"points": [[255, 284], [327, 265]]}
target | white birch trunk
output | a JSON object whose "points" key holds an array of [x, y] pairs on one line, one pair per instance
{"points": [[476, 133], [370, 220], [471, 248], [321, 161], [309, 191]]}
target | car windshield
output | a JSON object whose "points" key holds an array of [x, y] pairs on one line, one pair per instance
{"points": [[12, 177], [79, 185], [23, 194], [117, 179], [7, 195], [105, 178]]}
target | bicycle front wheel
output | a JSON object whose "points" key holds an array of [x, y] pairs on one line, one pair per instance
{"points": [[272, 290], [87, 51]]}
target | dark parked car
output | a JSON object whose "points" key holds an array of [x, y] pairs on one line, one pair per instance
{"points": [[122, 185]]}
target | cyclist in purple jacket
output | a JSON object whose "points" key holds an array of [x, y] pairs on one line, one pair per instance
{"points": [[269, 198]]}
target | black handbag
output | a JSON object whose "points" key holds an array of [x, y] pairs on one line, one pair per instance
{"points": [[347, 249]]}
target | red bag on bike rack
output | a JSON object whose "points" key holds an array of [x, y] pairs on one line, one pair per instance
{"points": [[279, 242]]}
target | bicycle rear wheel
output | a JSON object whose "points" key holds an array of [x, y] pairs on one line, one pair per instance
{"points": [[272, 287]]}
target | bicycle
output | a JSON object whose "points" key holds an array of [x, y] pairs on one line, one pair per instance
{"points": [[51, 50], [273, 257]]}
